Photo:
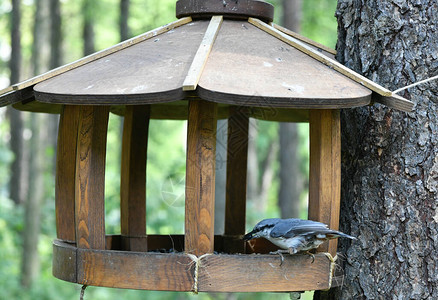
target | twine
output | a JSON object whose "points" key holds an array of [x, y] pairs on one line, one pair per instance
{"points": [[415, 84], [197, 261], [332, 267], [81, 297]]}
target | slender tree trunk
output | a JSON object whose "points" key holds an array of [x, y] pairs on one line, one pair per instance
{"points": [[291, 182], [32, 224], [55, 61], [55, 34], [16, 191], [31, 231], [88, 27], [390, 158], [123, 20]]}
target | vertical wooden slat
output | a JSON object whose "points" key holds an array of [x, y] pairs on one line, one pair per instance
{"points": [[237, 159], [200, 176], [65, 173], [133, 176], [325, 170], [90, 177]]}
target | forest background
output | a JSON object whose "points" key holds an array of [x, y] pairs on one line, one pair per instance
{"points": [[38, 35]]}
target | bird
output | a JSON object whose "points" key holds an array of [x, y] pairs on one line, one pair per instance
{"points": [[294, 235]]}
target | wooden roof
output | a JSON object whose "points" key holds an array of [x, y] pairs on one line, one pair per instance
{"points": [[232, 62]]}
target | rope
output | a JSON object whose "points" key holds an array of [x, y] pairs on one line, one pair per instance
{"points": [[415, 84], [81, 297], [197, 261], [332, 267]]}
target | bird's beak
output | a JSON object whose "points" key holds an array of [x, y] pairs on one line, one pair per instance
{"points": [[248, 236]]}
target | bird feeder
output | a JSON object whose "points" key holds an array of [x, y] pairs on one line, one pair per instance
{"points": [[219, 60]]}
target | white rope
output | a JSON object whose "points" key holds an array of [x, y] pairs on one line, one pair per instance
{"points": [[332, 267], [415, 84], [197, 261]]}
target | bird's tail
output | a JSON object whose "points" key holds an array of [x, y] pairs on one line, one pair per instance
{"points": [[334, 234]]}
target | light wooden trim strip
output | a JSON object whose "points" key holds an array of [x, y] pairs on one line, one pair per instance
{"points": [[304, 39], [100, 54], [6, 90], [201, 56], [321, 57]]}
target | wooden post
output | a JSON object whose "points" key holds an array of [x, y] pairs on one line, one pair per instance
{"points": [[200, 176], [90, 177], [65, 173], [237, 164], [133, 177], [325, 171]]}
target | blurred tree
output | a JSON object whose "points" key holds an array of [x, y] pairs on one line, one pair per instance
{"points": [[88, 26], [291, 179], [36, 147], [55, 61], [123, 20], [16, 183], [55, 34]]}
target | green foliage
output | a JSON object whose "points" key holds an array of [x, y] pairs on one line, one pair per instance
{"points": [[319, 22]]}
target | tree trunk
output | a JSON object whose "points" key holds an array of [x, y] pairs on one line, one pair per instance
{"points": [[55, 61], [55, 34], [390, 158], [291, 183], [31, 232], [16, 191], [123, 21], [88, 27]]}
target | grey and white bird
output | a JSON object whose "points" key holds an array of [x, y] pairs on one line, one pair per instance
{"points": [[294, 235]]}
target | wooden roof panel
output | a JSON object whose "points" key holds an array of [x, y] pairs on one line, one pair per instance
{"points": [[248, 66], [148, 72]]}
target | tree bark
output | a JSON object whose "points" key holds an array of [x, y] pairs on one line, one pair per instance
{"points": [[390, 158], [291, 183]]}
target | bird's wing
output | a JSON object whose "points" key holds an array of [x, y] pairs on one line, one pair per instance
{"points": [[292, 227]]}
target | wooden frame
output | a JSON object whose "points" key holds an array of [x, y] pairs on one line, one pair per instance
{"points": [[325, 171], [176, 271], [65, 173], [200, 177], [133, 176]]}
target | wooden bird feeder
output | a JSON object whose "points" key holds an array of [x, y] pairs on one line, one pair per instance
{"points": [[220, 59]]}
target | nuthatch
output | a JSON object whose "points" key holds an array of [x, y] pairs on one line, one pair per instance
{"points": [[294, 235]]}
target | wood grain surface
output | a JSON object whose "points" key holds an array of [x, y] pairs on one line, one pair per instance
{"points": [[200, 177], [263, 273], [66, 173], [195, 71], [90, 177], [237, 168], [135, 270], [263, 71], [147, 72], [176, 271], [133, 172], [325, 171]]}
